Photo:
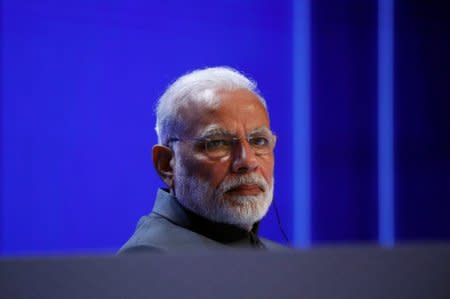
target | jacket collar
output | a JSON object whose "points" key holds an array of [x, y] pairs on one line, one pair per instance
{"points": [[169, 207]]}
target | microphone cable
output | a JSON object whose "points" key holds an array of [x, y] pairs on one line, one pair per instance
{"points": [[280, 226]]}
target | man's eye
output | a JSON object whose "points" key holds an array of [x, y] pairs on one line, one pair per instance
{"points": [[259, 141], [217, 144]]}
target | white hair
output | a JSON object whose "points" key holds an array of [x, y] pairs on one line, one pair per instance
{"points": [[198, 86]]}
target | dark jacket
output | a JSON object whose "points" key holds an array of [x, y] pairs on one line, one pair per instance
{"points": [[171, 227]]}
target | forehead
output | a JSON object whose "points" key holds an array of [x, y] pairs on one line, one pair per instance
{"points": [[233, 111]]}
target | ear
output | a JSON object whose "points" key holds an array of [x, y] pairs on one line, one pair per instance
{"points": [[162, 161]]}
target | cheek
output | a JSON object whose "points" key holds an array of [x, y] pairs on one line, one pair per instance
{"points": [[267, 166], [212, 172]]}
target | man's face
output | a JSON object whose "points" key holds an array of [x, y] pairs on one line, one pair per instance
{"points": [[236, 188]]}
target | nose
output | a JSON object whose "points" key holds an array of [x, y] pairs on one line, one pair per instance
{"points": [[244, 158]]}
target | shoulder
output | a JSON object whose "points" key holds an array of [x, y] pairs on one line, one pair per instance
{"points": [[156, 233], [271, 245]]}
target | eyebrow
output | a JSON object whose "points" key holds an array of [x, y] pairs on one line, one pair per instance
{"points": [[262, 129], [216, 130]]}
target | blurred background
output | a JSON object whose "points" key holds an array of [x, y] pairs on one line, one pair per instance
{"points": [[358, 93]]}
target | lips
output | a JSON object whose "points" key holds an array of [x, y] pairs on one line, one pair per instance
{"points": [[246, 189]]}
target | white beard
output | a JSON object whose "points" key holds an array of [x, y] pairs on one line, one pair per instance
{"points": [[201, 198]]}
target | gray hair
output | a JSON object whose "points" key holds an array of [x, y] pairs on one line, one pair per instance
{"points": [[199, 86]]}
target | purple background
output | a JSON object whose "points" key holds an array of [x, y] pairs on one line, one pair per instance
{"points": [[79, 82]]}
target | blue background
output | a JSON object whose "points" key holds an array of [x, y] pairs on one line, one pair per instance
{"points": [[80, 79]]}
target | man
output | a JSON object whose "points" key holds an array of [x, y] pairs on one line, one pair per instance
{"points": [[215, 154]]}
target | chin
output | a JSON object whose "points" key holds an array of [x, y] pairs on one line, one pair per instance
{"points": [[243, 210], [219, 206]]}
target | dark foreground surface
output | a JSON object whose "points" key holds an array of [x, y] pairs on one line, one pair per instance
{"points": [[342, 272]]}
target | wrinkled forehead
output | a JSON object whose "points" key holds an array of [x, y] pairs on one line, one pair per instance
{"points": [[223, 111]]}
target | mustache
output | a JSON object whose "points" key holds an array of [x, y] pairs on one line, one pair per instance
{"points": [[251, 179]]}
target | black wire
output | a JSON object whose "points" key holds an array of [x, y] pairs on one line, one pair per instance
{"points": [[279, 223]]}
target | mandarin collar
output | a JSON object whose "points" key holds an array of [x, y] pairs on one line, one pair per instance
{"points": [[167, 206]]}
